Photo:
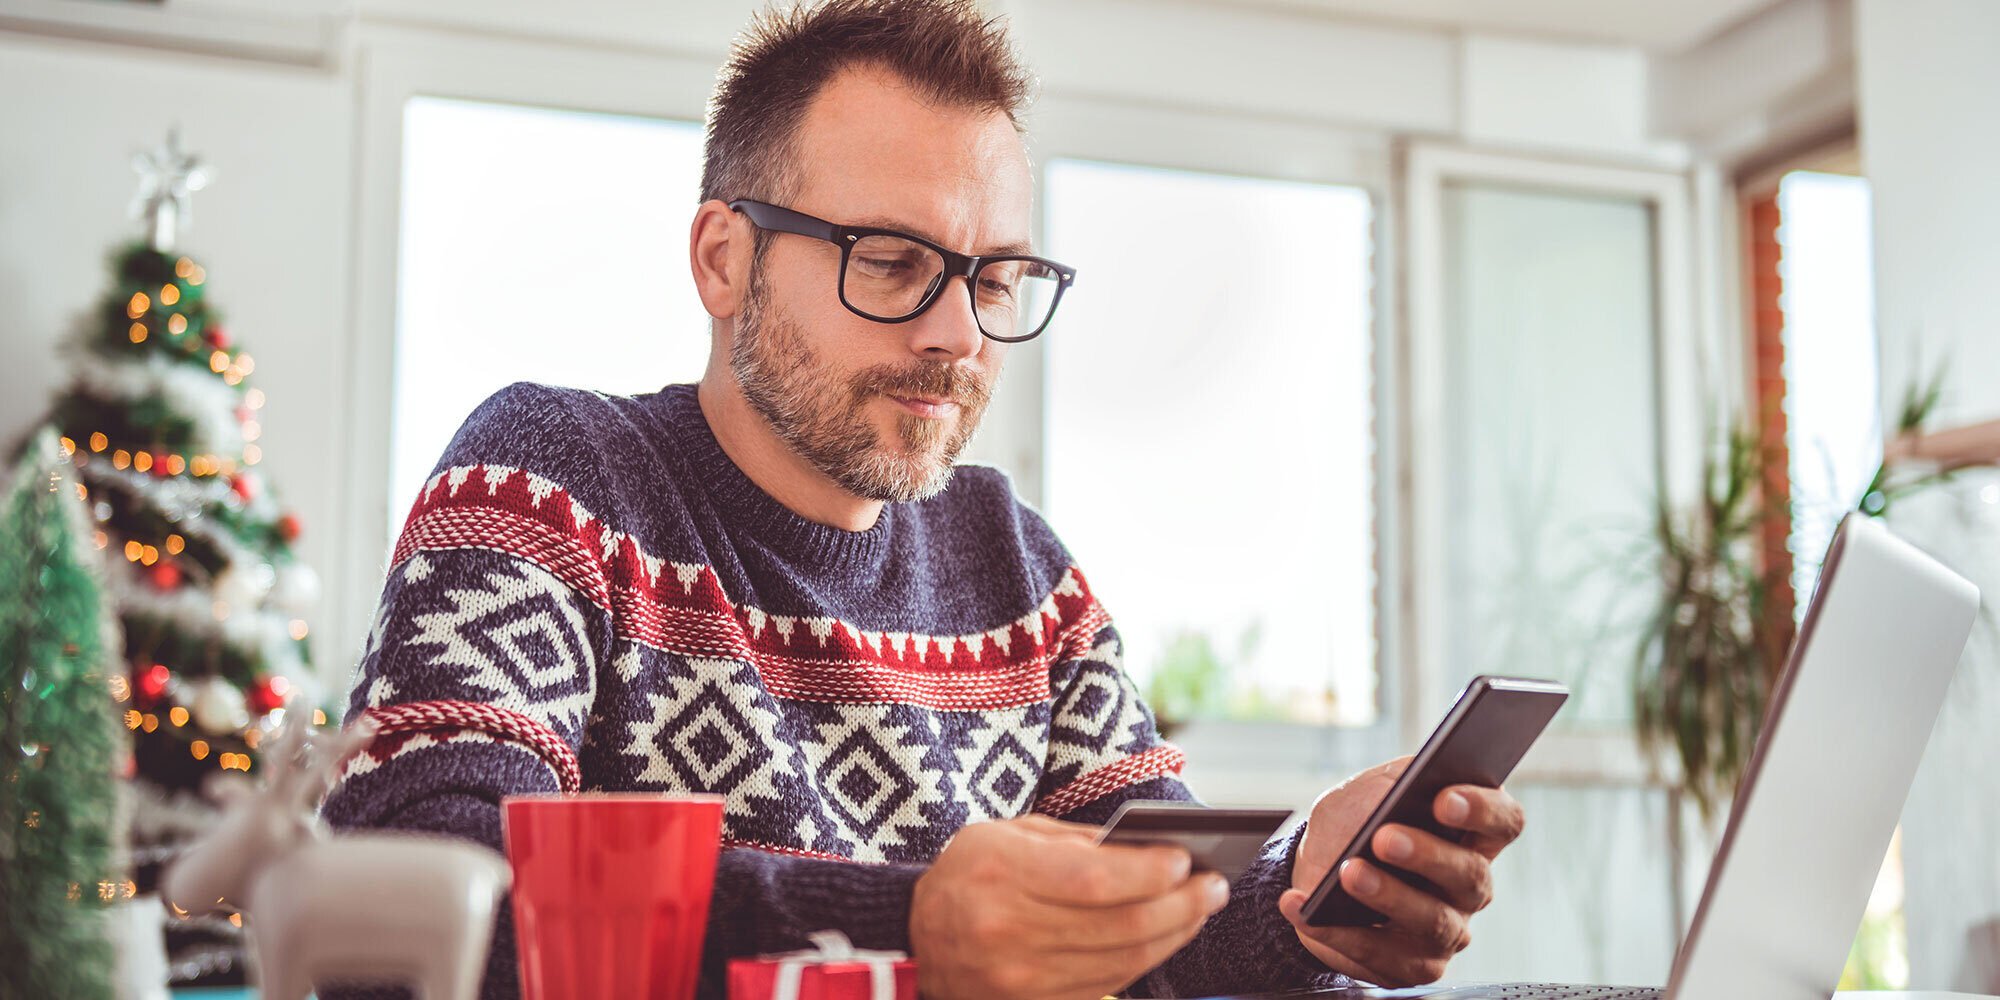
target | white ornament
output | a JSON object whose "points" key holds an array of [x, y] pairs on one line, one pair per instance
{"points": [[218, 707], [242, 586], [297, 589]]}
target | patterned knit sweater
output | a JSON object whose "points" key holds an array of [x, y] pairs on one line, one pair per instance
{"points": [[590, 594]]}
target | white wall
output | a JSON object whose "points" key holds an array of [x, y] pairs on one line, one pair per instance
{"points": [[1525, 92], [1930, 136], [1782, 77]]}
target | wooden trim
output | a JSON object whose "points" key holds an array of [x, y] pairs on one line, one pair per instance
{"points": [[1767, 332], [1973, 444], [1834, 152]]}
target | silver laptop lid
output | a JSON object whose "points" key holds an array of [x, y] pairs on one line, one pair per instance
{"points": [[1825, 787]]}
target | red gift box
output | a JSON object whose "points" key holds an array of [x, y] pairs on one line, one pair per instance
{"points": [[833, 969]]}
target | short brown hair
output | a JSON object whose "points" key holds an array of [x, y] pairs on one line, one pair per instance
{"points": [[947, 50]]}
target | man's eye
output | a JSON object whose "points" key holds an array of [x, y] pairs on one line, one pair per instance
{"points": [[996, 289], [883, 267]]}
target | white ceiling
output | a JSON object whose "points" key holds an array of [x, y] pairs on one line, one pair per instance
{"points": [[1658, 25]]}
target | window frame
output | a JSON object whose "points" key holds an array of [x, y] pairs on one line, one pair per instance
{"points": [[1682, 350], [394, 64], [1689, 333]]}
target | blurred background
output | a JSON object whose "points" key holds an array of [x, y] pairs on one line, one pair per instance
{"points": [[1413, 340]]}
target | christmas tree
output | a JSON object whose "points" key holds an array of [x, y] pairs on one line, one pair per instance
{"points": [[59, 743], [161, 422]]}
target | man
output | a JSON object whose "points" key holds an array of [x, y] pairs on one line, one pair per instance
{"points": [[775, 585]]}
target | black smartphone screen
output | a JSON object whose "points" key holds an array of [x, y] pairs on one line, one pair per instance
{"points": [[1488, 730]]}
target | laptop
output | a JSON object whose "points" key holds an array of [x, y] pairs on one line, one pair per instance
{"points": [[1824, 789]]}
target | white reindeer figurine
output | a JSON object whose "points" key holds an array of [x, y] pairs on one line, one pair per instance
{"points": [[363, 906]]}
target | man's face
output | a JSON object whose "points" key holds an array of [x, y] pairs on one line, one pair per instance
{"points": [[882, 409]]}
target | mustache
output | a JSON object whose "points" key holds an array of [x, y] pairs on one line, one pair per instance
{"points": [[965, 386]]}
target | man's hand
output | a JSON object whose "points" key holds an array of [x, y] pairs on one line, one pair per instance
{"points": [[1031, 907], [1424, 931]]}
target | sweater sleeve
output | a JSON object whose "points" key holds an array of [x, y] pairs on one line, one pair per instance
{"points": [[480, 666], [1105, 750]]}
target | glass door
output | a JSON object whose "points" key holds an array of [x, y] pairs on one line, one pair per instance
{"points": [[1549, 361]]}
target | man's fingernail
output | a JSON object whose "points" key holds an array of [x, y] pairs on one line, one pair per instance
{"points": [[1456, 809], [1218, 893], [1366, 882], [1395, 846]]}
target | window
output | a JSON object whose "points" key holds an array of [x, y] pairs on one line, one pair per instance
{"points": [[1208, 439], [1832, 418], [537, 245], [1551, 438]]}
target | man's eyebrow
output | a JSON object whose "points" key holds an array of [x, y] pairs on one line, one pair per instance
{"points": [[877, 222]]}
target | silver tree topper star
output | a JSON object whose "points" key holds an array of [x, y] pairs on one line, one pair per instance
{"points": [[168, 176]]}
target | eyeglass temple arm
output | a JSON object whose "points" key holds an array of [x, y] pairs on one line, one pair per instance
{"points": [[784, 220]]}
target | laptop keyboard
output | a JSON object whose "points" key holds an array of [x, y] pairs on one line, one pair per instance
{"points": [[1548, 991]]}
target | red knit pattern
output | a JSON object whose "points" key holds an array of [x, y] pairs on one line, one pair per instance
{"points": [[564, 556], [682, 608], [430, 716], [1158, 762]]}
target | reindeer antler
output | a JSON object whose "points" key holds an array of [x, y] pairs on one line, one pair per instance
{"points": [[304, 763], [339, 746], [282, 759]]}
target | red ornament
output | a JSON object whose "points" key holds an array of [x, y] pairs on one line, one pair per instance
{"points": [[151, 684], [217, 337], [268, 694], [160, 465], [243, 486], [166, 575], [289, 527]]}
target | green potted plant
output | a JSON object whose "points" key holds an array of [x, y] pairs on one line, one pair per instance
{"points": [[1710, 651], [1705, 662], [1191, 680]]}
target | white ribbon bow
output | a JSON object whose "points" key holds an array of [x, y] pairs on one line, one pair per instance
{"points": [[828, 948]]}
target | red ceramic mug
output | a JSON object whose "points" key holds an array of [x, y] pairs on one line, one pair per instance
{"points": [[611, 892]]}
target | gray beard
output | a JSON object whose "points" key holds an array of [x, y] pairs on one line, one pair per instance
{"points": [[823, 419]]}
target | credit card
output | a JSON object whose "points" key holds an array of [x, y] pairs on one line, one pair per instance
{"points": [[1221, 840]]}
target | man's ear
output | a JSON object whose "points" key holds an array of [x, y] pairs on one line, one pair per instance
{"points": [[717, 253]]}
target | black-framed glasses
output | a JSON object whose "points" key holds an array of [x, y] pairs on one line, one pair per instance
{"points": [[892, 277]]}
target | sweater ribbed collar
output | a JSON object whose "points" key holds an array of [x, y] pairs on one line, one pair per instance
{"points": [[742, 503]]}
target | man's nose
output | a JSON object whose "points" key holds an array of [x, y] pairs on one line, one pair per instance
{"points": [[948, 329]]}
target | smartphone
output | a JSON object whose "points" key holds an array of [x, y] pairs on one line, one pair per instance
{"points": [[1488, 730], [1221, 840]]}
